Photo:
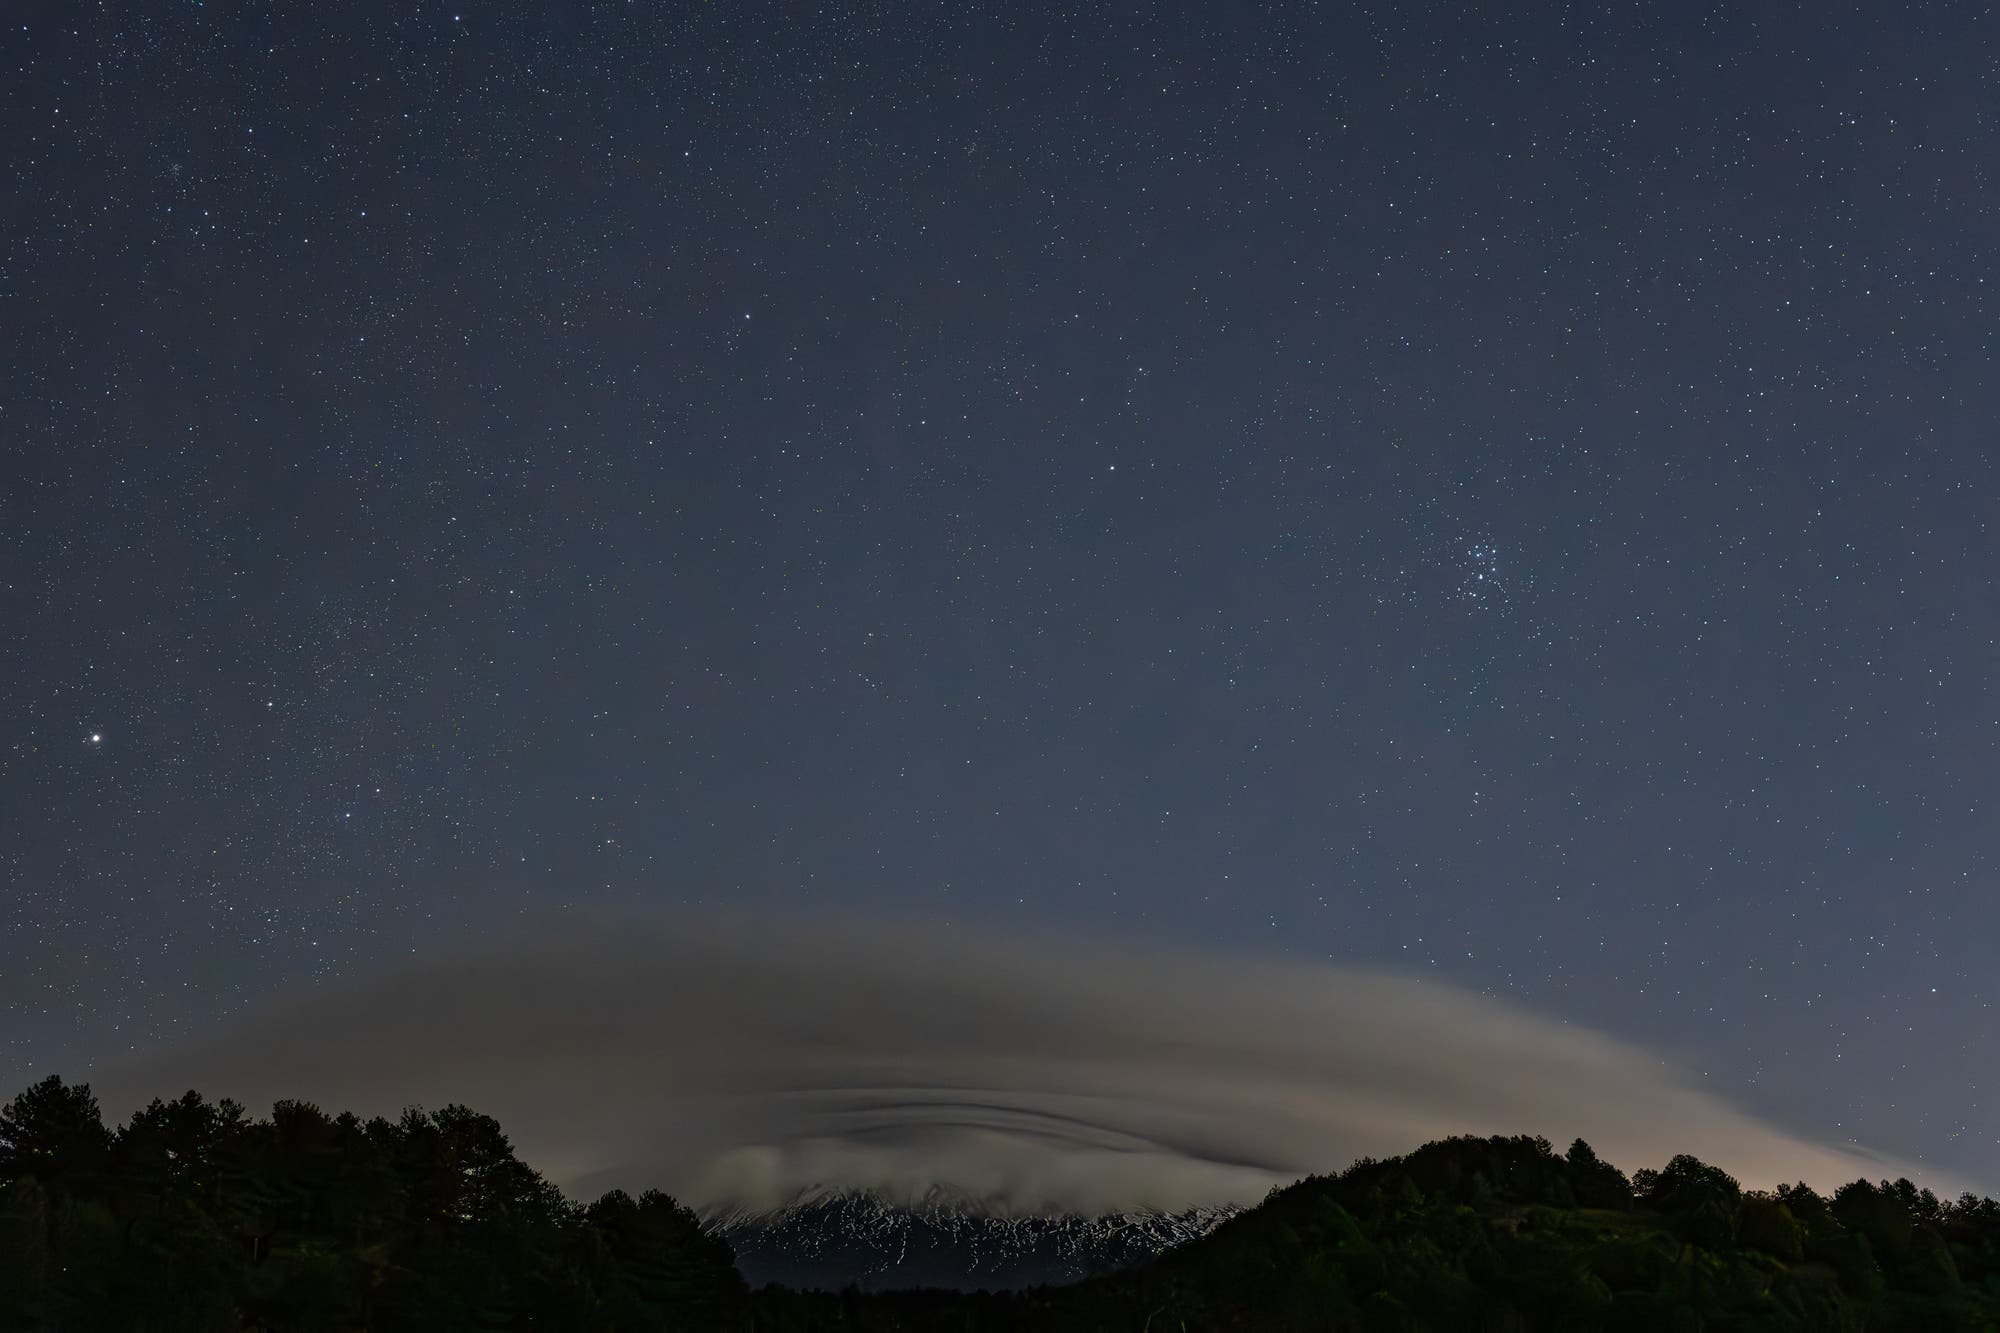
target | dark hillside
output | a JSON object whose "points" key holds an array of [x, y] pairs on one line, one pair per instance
{"points": [[1505, 1234], [193, 1217]]}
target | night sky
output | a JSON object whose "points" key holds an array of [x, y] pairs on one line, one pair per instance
{"points": [[1505, 497]]}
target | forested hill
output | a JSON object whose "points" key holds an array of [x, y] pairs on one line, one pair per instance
{"points": [[195, 1217], [1507, 1235]]}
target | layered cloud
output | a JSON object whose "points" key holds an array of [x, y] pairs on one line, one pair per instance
{"points": [[738, 1064]]}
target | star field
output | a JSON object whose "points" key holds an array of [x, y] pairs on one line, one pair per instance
{"points": [[1507, 497]]}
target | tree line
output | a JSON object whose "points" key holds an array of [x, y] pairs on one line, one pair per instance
{"points": [[194, 1216]]}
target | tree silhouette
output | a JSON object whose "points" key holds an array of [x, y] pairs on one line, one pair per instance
{"points": [[1595, 1182], [54, 1133]]}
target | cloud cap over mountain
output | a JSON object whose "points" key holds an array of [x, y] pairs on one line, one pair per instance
{"points": [[734, 1063]]}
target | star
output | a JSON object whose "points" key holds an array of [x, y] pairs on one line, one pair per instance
{"points": [[96, 738]]}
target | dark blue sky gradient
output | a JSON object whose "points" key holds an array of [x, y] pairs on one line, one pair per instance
{"points": [[1504, 497]]}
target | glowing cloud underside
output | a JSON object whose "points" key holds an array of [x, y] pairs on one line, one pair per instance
{"points": [[733, 1065]]}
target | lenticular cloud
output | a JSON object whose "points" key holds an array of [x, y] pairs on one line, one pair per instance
{"points": [[739, 1066]]}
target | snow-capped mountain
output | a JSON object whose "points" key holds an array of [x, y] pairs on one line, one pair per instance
{"points": [[829, 1240]]}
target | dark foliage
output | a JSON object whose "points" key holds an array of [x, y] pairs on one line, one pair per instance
{"points": [[196, 1217], [1505, 1235]]}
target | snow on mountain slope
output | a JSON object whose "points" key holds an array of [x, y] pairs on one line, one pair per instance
{"points": [[834, 1239]]}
